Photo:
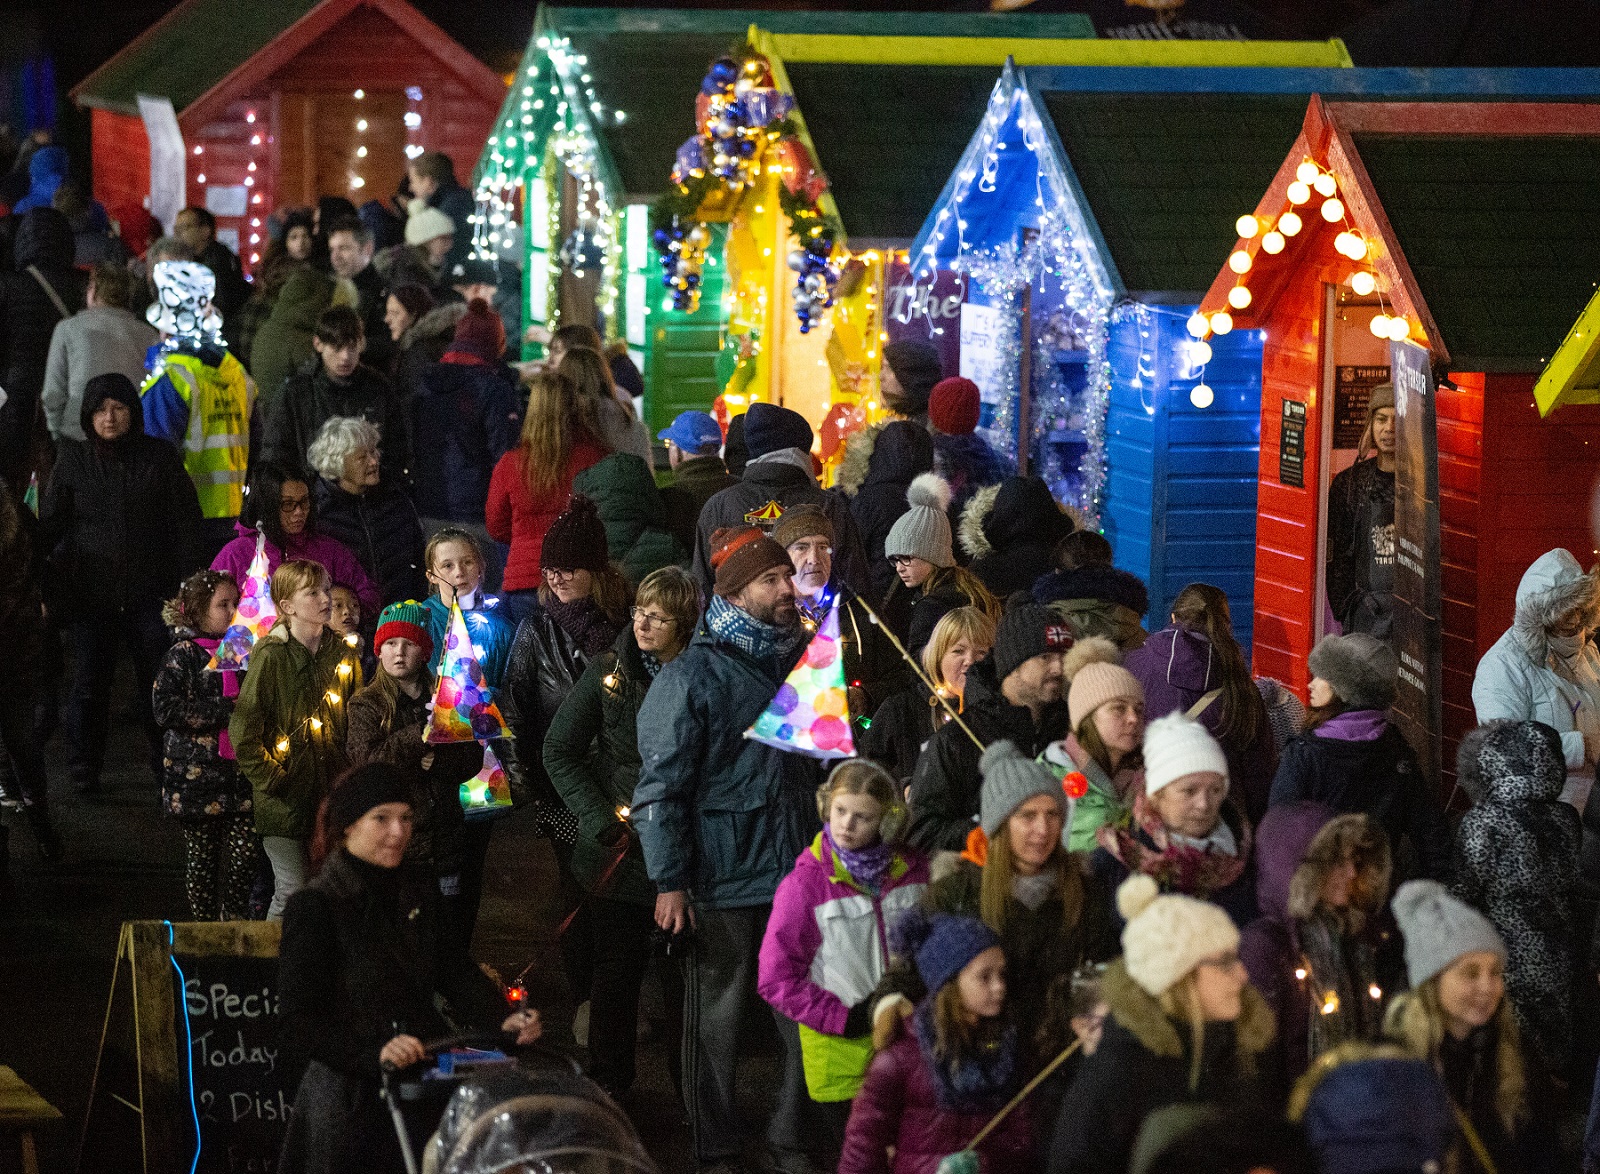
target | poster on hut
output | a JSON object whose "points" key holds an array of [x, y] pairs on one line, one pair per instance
{"points": [[1419, 707]]}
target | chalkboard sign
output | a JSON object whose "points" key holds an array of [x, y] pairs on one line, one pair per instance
{"points": [[1292, 445], [217, 1028]]}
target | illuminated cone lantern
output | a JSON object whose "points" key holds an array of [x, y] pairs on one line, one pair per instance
{"points": [[488, 791], [463, 705], [252, 619], [811, 713]]}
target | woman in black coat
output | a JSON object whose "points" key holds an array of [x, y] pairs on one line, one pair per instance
{"points": [[358, 971], [119, 518], [375, 520]]}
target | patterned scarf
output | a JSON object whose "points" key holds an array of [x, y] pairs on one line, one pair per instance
{"points": [[868, 867], [970, 1084], [733, 625], [590, 628], [1141, 842]]}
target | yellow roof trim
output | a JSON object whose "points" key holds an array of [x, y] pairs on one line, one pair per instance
{"points": [[854, 50], [1573, 373]]}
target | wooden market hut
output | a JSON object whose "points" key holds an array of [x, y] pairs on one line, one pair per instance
{"points": [[1478, 225], [279, 103]]}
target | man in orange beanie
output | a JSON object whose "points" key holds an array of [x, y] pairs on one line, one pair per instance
{"points": [[721, 819]]}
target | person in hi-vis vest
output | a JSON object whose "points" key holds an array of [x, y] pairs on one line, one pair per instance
{"points": [[197, 396]]}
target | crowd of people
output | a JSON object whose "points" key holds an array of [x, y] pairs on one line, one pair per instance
{"points": [[1087, 894]]}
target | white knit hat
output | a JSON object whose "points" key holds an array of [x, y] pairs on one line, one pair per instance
{"points": [[425, 225], [1168, 935], [923, 531], [1177, 745]]}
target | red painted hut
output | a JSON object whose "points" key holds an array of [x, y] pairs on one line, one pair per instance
{"points": [[1477, 226], [279, 103]]}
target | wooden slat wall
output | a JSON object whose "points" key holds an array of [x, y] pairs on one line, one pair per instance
{"points": [[121, 156], [1460, 423]]}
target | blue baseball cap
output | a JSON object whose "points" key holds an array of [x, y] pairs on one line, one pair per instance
{"points": [[694, 432]]}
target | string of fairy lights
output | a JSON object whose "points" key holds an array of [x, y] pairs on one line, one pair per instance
{"points": [[343, 677]]}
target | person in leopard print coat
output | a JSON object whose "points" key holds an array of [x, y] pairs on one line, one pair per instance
{"points": [[1517, 862]]}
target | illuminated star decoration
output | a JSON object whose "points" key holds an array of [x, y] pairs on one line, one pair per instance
{"points": [[252, 619], [463, 704]]}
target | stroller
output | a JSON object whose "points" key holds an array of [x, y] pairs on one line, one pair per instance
{"points": [[535, 1115]]}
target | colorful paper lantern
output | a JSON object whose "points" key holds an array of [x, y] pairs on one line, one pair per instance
{"points": [[252, 619], [463, 704], [811, 712], [488, 792]]}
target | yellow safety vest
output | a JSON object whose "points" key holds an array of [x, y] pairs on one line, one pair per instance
{"points": [[216, 447]]}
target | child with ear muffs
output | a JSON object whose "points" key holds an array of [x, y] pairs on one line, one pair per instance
{"points": [[824, 949]]}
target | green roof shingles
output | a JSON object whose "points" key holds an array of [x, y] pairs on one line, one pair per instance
{"points": [[1166, 175], [190, 51], [1501, 233]]}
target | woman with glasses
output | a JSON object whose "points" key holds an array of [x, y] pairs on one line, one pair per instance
{"points": [[591, 752], [372, 516], [281, 505], [580, 610], [1185, 1025]]}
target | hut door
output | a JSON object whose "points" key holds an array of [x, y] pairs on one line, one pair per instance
{"points": [[327, 152]]}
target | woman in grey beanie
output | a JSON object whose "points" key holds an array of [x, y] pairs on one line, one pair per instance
{"points": [[929, 581], [1457, 1018], [1017, 877], [1353, 759]]}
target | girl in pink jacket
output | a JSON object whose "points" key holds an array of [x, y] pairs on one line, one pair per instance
{"points": [[826, 943]]}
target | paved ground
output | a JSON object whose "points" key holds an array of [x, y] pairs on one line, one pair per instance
{"points": [[124, 862]]}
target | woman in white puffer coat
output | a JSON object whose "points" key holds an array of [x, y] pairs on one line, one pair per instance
{"points": [[1545, 669]]}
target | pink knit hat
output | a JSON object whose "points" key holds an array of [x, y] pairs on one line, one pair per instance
{"points": [[1097, 684]]}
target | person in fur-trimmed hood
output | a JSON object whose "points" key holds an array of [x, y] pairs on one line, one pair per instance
{"points": [[1517, 861], [1010, 531], [879, 465], [1544, 668], [960, 455], [1096, 598], [1184, 1025], [1321, 881]]}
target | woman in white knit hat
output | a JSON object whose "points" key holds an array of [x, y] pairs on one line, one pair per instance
{"points": [[1105, 739], [1184, 1025], [1457, 1018], [1185, 831], [930, 583]]}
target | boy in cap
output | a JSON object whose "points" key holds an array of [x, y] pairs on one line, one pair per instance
{"points": [[694, 453]]}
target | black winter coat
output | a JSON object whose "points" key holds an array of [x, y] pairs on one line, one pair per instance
{"points": [[1142, 1064], [382, 528], [28, 318], [694, 482], [469, 416], [900, 729], [120, 520], [310, 399], [362, 957], [944, 790], [381, 350], [1380, 778], [196, 780], [901, 451], [968, 464], [774, 483]]}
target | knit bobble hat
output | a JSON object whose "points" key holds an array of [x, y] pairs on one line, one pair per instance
{"points": [[1362, 670], [1024, 632], [768, 428], [480, 332], [742, 554], [1168, 935], [1439, 928], [916, 368], [1175, 746], [941, 943], [576, 541], [954, 405], [360, 791], [405, 621], [424, 225], [923, 531], [802, 521], [1009, 780], [1096, 684]]}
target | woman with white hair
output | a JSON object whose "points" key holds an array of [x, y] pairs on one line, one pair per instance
{"points": [[375, 520]]}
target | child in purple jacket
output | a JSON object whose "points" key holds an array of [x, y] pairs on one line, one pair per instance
{"points": [[826, 942]]}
